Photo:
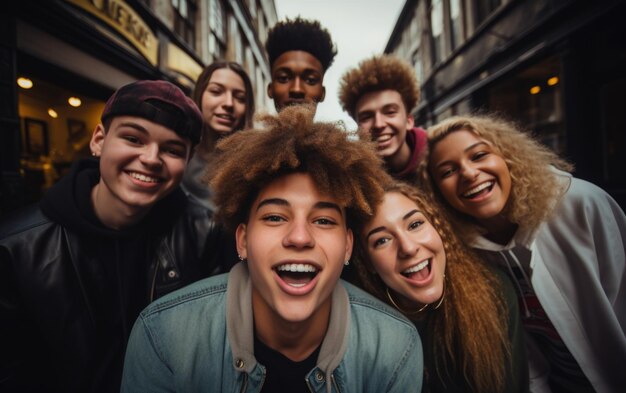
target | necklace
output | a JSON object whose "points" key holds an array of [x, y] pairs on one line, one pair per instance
{"points": [[443, 295], [400, 309]]}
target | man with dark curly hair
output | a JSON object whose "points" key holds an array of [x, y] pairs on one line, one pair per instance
{"points": [[380, 94], [300, 51], [282, 320]]}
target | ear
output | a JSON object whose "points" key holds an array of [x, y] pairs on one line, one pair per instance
{"points": [[269, 91], [349, 244], [242, 241], [323, 94], [410, 122], [97, 140]]}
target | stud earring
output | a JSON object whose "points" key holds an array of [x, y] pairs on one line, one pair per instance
{"points": [[241, 259], [346, 263]]}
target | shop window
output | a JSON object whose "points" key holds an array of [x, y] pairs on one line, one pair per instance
{"points": [[614, 122], [534, 97], [185, 20], [54, 133]]}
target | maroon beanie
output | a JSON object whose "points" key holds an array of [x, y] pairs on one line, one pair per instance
{"points": [[160, 102]]}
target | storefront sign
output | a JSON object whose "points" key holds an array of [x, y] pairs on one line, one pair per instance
{"points": [[178, 60], [121, 17]]}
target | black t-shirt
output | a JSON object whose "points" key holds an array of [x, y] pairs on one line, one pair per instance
{"points": [[283, 374]]}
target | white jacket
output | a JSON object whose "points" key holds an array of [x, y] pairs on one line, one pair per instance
{"points": [[577, 262]]}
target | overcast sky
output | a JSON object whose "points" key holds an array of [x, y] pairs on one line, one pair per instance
{"points": [[359, 28]]}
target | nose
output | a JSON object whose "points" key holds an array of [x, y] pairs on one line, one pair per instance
{"points": [[299, 235], [295, 88], [407, 247], [228, 100], [468, 171], [151, 156], [378, 121]]}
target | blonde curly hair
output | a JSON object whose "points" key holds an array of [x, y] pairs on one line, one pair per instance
{"points": [[382, 72], [461, 340], [534, 186], [291, 142]]}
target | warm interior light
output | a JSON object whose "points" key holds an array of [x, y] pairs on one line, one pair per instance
{"points": [[553, 81], [24, 83], [74, 101], [53, 114], [535, 90]]}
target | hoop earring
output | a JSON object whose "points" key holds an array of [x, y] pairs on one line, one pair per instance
{"points": [[399, 308], [443, 295]]}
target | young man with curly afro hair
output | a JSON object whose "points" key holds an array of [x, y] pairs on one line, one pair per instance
{"points": [[380, 94], [282, 320], [300, 51]]}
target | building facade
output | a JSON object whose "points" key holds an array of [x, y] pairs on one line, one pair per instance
{"points": [[556, 66], [62, 59]]}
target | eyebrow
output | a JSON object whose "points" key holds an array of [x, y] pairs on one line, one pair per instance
{"points": [[382, 228], [222, 85], [303, 71], [470, 147], [145, 131], [283, 202]]}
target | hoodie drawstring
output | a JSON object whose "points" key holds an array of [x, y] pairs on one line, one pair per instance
{"points": [[517, 285]]}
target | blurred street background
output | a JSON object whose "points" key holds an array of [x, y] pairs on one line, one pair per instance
{"points": [[556, 66]]}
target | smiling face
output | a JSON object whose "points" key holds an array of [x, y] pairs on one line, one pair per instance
{"points": [[140, 163], [224, 101], [406, 251], [297, 78], [383, 115], [471, 175], [296, 242]]}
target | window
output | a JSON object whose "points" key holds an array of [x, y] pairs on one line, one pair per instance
{"points": [[534, 96], [456, 24], [217, 36], [436, 27], [417, 65], [484, 8], [185, 20]]}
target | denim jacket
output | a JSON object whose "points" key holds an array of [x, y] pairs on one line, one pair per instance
{"points": [[200, 339]]}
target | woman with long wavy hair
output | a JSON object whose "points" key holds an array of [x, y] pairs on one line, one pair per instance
{"points": [[466, 312], [561, 239], [223, 92]]}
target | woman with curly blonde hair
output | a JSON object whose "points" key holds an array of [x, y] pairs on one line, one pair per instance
{"points": [[466, 312], [557, 235]]}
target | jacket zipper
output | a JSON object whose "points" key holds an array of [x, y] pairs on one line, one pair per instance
{"points": [[153, 286]]}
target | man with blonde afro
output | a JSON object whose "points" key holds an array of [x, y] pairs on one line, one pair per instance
{"points": [[380, 94], [282, 319]]}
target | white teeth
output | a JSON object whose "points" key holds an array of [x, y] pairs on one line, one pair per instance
{"points": [[297, 268], [383, 138], [417, 267], [145, 178], [478, 188]]}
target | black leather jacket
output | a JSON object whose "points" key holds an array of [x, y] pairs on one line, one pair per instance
{"points": [[51, 318]]}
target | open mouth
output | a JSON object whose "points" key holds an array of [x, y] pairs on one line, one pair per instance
{"points": [[419, 272], [479, 190], [297, 275]]}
